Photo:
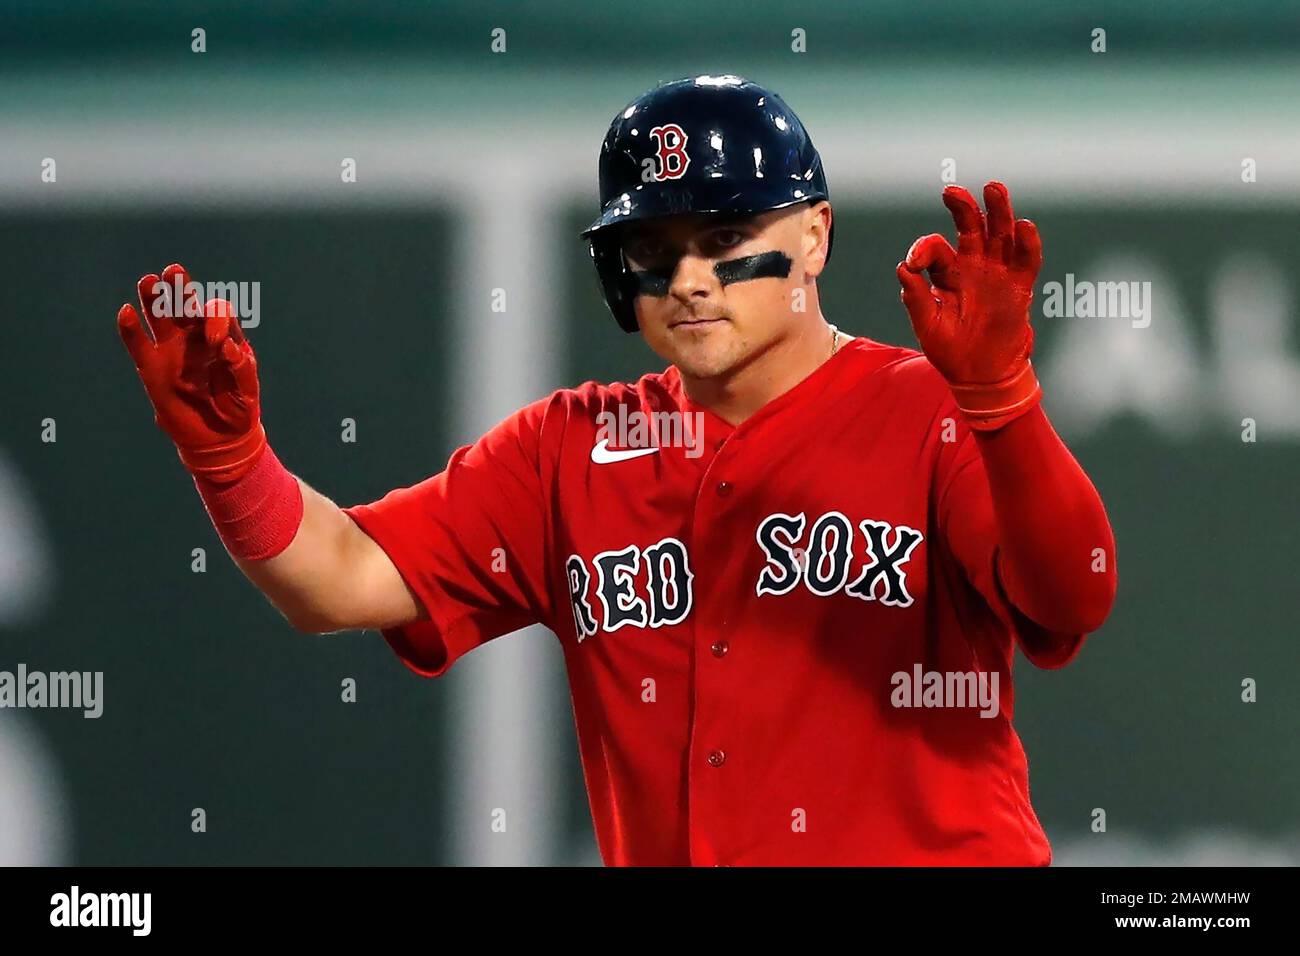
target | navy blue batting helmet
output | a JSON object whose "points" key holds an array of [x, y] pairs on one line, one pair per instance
{"points": [[704, 144]]}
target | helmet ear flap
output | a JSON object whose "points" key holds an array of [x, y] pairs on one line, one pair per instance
{"points": [[615, 281]]}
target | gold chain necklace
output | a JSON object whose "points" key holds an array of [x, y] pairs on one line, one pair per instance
{"points": [[835, 340]]}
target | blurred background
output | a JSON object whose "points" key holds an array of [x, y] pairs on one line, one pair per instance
{"points": [[1163, 150]]}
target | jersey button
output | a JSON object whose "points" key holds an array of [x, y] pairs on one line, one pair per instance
{"points": [[717, 758], [720, 648], [724, 488]]}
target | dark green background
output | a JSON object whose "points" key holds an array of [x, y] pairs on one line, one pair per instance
{"points": [[211, 700], [576, 32]]}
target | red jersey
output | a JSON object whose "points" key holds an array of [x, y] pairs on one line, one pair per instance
{"points": [[751, 626]]}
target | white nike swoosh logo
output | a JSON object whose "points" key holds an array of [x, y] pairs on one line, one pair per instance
{"points": [[603, 455]]}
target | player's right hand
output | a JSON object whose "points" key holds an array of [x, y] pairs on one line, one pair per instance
{"points": [[199, 372]]}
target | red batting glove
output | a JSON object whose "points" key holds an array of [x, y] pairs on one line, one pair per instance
{"points": [[972, 315], [200, 374]]}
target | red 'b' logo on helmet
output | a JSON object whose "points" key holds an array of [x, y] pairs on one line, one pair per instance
{"points": [[670, 148]]}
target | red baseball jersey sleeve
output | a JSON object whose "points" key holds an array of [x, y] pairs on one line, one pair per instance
{"points": [[786, 642], [470, 543]]}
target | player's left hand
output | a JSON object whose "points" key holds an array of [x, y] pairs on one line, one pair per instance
{"points": [[971, 316]]}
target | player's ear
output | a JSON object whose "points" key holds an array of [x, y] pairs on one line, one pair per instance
{"points": [[817, 218]]}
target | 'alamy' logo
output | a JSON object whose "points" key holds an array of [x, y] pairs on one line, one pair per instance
{"points": [[102, 909], [946, 689], [78, 690], [1084, 299], [631, 433]]}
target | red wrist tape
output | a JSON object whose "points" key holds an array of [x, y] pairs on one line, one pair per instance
{"points": [[257, 516], [988, 407]]}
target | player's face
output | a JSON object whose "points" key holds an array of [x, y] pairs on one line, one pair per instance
{"points": [[715, 291]]}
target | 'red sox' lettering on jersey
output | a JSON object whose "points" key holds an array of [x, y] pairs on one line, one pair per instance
{"points": [[823, 569], [732, 620]]}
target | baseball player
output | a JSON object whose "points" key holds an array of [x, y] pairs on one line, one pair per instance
{"points": [[789, 631]]}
